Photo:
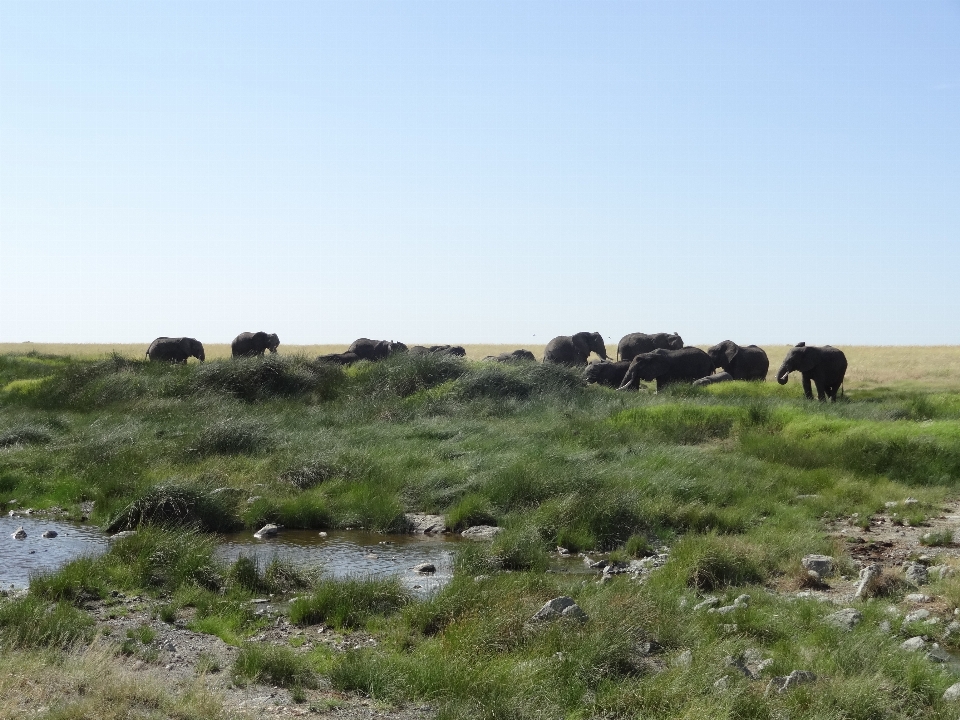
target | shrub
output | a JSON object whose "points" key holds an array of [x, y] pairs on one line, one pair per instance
{"points": [[472, 509], [404, 375], [176, 505], [278, 576], [271, 376], [349, 603], [712, 562]]}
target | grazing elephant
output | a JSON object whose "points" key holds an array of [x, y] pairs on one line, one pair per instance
{"points": [[367, 349], [251, 344], [175, 349], [823, 365], [667, 366], [574, 349], [606, 373], [513, 357], [714, 379], [740, 363], [454, 350], [635, 343]]}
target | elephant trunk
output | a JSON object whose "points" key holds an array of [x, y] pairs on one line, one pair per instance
{"points": [[783, 374]]}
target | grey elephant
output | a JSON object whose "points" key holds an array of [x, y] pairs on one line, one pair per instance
{"points": [[253, 344], [574, 349], [739, 362], [367, 349], [344, 358], [667, 367], [606, 373], [713, 379], [635, 343], [175, 350], [453, 350], [824, 365], [516, 356]]}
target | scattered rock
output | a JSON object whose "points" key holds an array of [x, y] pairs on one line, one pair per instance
{"points": [[891, 504], [684, 659], [782, 684], [938, 655], [561, 607], [708, 603], [916, 573], [425, 568], [820, 565], [481, 532], [121, 535], [910, 501], [941, 572], [952, 693], [916, 615], [423, 524], [917, 598], [868, 577], [19, 533], [267, 531], [49, 533], [845, 619], [741, 602], [913, 644]]}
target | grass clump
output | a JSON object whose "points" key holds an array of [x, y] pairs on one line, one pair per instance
{"points": [[233, 436], [349, 603], [313, 473], [173, 504], [272, 376], [272, 665], [278, 576], [31, 622], [25, 435], [498, 381]]}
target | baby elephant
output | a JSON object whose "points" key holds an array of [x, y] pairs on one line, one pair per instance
{"points": [[253, 344], [668, 366], [606, 373]]}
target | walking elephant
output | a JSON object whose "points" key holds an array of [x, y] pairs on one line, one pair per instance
{"points": [[574, 349], [822, 365], [739, 362], [606, 373], [635, 343], [175, 350], [253, 344], [667, 366]]}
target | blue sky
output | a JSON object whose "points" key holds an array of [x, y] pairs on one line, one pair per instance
{"points": [[480, 171]]}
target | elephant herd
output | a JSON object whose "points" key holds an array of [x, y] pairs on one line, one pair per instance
{"points": [[661, 357]]}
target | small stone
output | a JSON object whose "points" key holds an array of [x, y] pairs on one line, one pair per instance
{"points": [[917, 598], [426, 524], [845, 619], [916, 573], [885, 626], [425, 568], [559, 607], [868, 576], [891, 504], [916, 615], [941, 572], [50, 533], [910, 501], [321, 534], [913, 644], [820, 565], [708, 603], [684, 659], [267, 531], [722, 683], [19, 534], [169, 647], [782, 684], [952, 693], [729, 628], [937, 655]]}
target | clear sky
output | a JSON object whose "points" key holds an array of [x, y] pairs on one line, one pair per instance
{"points": [[768, 172]]}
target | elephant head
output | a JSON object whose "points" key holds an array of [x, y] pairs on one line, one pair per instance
{"points": [[674, 342], [193, 348], [646, 366], [271, 342], [800, 358], [591, 341], [723, 354]]}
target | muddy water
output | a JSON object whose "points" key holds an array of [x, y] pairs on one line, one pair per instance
{"points": [[352, 553], [19, 558]]}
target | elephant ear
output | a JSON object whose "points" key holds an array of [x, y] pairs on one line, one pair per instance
{"points": [[800, 344], [730, 351]]}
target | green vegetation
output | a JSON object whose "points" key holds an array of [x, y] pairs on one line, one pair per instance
{"points": [[737, 479]]}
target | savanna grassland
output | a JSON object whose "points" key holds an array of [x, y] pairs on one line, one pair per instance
{"points": [[738, 480]]}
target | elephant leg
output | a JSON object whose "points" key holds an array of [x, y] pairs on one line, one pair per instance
{"points": [[807, 390], [821, 390]]}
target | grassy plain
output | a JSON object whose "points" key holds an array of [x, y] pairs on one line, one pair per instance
{"points": [[736, 479]]}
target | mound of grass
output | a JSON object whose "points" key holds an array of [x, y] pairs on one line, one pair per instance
{"points": [[233, 436], [314, 473], [272, 665], [278, 576], [30, 622], [403, 375], [683, 424], [172, 504], [25, 435], [349, 603], [271, 376], [499, 381]]}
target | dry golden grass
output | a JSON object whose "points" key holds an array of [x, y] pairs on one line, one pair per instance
{"points": [[95, 684], [927, 367]]}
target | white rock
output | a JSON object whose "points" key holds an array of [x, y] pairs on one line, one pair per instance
{"points": [[916, 615], [868, 576], [913, 644], [50, 533], [845, 619], [684, 659], [563, 606], [708, 603], [481, 532], [917, 598], [19, 533], [782, 684], [820, 565], [267, 531], [952, 693]]}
